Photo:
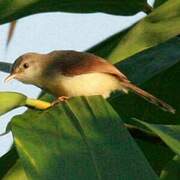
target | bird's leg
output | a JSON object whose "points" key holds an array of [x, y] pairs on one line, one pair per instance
{"points": [[59, 99]]}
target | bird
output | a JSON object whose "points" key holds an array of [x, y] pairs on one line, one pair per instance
{"points": [[68, 73]]}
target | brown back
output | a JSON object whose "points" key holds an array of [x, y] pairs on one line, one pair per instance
{"points": [[71, 63]]}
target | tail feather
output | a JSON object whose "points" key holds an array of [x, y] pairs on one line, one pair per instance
{"points": [[149, 97]]}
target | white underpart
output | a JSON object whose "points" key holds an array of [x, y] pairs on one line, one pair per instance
{"points": [[87, 85]]}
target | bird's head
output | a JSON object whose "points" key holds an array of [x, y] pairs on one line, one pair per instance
{"points": [[26, 68]]}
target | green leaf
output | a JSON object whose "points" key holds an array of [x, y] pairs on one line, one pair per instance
{"points": [[170, 134], [162, 24], [149, 63], [7, 161], [106, 47], [172, 170], [11, 100], [78, 139], [16, 172], [156, 153], [11, 10], [157, 70], [159, 2], [5, 67]]}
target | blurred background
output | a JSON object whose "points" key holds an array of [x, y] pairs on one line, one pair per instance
{"points": [[53, 31]]}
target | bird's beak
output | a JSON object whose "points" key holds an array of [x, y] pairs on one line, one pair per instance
{"points": [[10, 77]]}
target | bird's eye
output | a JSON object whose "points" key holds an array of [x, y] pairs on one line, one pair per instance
{"points": [[25, 65]]}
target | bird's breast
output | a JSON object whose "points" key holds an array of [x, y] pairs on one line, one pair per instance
{"points": [[84, 85]]}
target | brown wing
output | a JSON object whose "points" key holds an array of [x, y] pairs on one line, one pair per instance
{"points": [[72, 63]]}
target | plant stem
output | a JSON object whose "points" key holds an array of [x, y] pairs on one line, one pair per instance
{"points": [[148, 9], [38, 104]]}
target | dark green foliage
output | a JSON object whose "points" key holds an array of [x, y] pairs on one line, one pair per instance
{"points": [[11, 10], [82, 142], [85, 138]]}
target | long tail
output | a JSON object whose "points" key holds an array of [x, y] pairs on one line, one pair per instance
{"points": [[149, 97]]}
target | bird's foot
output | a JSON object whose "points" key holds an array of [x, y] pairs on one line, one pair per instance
{"points": [[63, 98], [59, 99]]}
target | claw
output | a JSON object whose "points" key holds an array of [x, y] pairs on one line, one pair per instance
{"points": [[63, 98], [59, 99]]}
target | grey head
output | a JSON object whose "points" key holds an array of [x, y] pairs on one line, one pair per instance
{"points": [[27, 68]]}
